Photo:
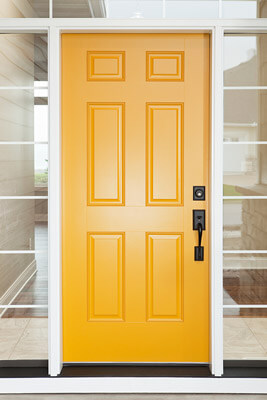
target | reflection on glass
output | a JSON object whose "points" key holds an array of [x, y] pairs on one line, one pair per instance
{"points": [[245, 170], [245, 115], [135, 9], [23, 224], [244, 9], [24, 9], [245, 334], [16, 115], [244, 61], [245, 224], [24, 115], [245, 278], [23, 58], [24, 170], [24, 334], [192, 9], [80, 9]]}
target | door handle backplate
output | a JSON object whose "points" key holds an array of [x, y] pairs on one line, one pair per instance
{"points": [[199, 225]]}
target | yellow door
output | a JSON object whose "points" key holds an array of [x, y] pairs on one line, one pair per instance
{"points": [[135, 126]]}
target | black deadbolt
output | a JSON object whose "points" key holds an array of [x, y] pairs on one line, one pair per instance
{"points": [[199, 193]]}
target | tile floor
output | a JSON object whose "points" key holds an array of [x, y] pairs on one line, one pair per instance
{"points": [[26, 338], [132, 397], [245, 338], [23, 338]]}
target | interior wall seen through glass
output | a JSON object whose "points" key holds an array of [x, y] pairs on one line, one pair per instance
{"points": [[23, 221]]}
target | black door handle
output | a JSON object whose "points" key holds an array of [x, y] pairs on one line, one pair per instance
{"points": [[199, 225], [199, 228]]}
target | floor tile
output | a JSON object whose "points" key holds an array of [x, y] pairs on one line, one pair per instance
{"points": [[13, 323], [240, 342], [38, 323], [30, 349]]}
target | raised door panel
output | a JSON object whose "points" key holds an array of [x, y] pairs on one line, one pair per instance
{"points": [[164, 277], [165, 154], [105, 276], [106, 154], [165, 66], [105, 65]]}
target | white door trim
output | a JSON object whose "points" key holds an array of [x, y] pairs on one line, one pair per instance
{"points": [[216, 334], [133, 385]]}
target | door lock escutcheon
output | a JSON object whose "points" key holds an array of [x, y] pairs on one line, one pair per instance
{"points": [[199, 193], [199, 225]]}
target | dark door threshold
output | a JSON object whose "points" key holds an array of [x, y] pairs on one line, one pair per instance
{"points": [[24, 369], [140, 370], [39, 369], [245, 369]]}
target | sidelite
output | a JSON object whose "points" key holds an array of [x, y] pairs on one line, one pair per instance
{"points": [[199, 225], [130, 280]]}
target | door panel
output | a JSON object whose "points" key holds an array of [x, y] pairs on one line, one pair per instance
{"points": [[164, 277], [135, 126], [106, 272], [105, 154], [164, 154]]}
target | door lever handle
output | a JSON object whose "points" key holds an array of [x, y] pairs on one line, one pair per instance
{"points": [[199, 228], [199, 225]]}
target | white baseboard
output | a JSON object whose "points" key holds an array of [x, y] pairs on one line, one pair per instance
{"points": [[13, 291], [135, 385]]}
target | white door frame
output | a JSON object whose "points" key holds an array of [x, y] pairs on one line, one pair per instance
{"points": [[55, 27], [55, 296]]}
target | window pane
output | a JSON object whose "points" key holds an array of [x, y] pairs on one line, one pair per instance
{"points": [[192, 9], [135, 9], [23, 58], [23, 334], [245, 59], [245, 334], [80, 8], [24, 170], [244, 9], [24, 9], [245, 115], [245, 278], [245, 224], [23, 115], [16, 115], [245, 170], [23, 225]]}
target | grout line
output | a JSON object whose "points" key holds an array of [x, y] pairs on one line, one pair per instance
{"points": [[255, 335]]}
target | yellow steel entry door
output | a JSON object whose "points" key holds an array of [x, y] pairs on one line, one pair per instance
{"points": [[135, 125]]}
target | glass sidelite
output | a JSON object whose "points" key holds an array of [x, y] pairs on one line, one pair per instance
{"points": [[245, 188], [23, 191]]}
